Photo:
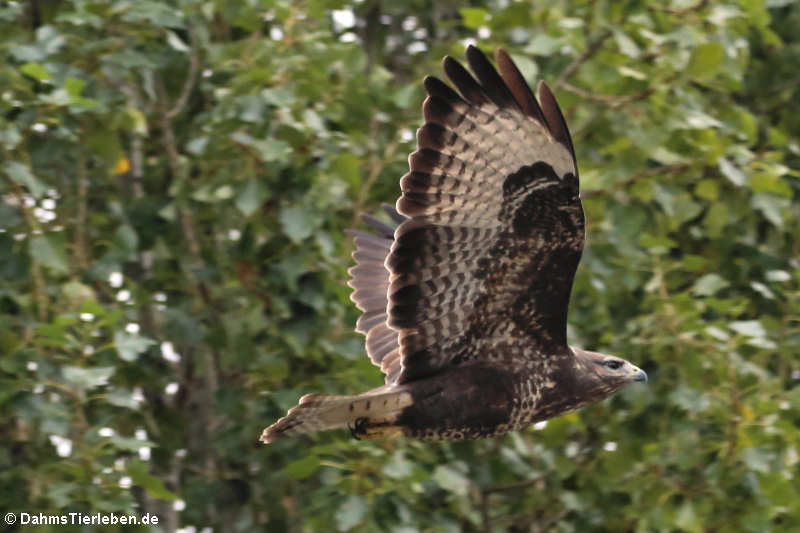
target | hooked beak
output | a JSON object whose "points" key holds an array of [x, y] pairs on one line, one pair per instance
{"points": [[640, 375]]}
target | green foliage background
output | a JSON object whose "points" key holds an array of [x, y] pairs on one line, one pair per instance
{"points": [[176, 178]]}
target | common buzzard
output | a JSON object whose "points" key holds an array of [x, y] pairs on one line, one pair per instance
{"points": [[465, 296]]}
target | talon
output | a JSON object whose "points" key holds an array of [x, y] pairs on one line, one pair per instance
{"points": [[353, 431], [359, 427]]}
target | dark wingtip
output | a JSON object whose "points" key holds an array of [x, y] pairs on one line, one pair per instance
{"points": [[555, 118], [472, 50]]}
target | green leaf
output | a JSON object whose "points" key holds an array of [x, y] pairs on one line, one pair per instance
{"points": [[136, 121], [48, 41], [399, 467], [224, 192], [717, 333], [451, 479], [276, 368], [689, 399], [156, 13], [716, 218], [129, 444], [687, 519], [21, 174], [708, 189], [278, 96], [314, 122], [350, 513], [10, 137], [696, 119], [155, 488], [772, 207], [770, 183], [404, 96], [87, 378], [62, 494], [348, 168], [710, 284], [705, 61], [74, 88], [126, 238], [627, 45], [631, 73], [77, 292], [749, 328], [474, 17], [197, 146], [762, 289], [131, 345], [660, 244], [543, 45], [266, 149], [251, 197], [49, 253], [756, 459], [122, 398], [35, 70], [778, 276], [298, 223], [667, 157], [176, 42], [303, 467]]}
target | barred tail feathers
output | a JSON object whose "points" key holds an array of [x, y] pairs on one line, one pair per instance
{"points": [[323, 412]]}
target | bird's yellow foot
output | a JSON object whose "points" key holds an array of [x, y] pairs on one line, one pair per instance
{"points": [[362, 429], [359, 427]]}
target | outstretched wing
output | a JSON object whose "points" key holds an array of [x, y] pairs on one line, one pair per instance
{"points": [[483, 266]]}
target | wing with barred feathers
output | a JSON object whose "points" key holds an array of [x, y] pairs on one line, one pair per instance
{"points": [[490, 230], [370, 283]]}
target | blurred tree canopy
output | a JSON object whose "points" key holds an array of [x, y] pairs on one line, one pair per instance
{"points": [[176, 177]]}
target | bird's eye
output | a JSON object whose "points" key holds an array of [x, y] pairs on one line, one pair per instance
{"points": [[614, 364]]}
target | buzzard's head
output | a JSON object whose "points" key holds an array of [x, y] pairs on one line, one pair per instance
{"points": [[605, 374]]}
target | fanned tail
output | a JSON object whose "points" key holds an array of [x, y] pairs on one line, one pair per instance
{"points": [[323, 412]]}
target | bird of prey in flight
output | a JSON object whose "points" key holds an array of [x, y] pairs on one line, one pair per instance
{"points": [[465, 295]]}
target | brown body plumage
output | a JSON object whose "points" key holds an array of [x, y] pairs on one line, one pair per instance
{"points": [[465, 296]]}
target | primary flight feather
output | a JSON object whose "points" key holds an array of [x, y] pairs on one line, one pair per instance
{"points": [[465, 295]]}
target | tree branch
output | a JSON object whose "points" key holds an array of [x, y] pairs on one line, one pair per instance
{"points": [[680, 12], [189, 81], [485, 518], [80, 254], [39, 288], [510, 486], [611, 100], [678, 167], [207, 422], [376, 165], [587, 54]]}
